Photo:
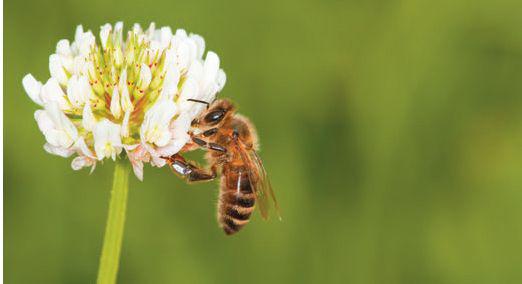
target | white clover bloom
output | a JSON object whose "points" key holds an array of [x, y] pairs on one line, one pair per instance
{"points": [[124, 95]]}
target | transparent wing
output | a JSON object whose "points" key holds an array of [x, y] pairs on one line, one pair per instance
{"points": [[261, 184], [264, 191]]}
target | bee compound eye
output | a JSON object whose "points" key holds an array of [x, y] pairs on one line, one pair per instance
{"points": [[215, 116]]}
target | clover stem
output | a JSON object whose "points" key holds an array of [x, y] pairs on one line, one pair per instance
{"points": [[110, 256]]}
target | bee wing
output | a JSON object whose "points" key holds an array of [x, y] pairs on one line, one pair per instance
{"points": [[264, 190], [262, 187]]}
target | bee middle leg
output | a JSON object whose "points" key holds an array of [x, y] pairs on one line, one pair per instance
{"points": [[209, 145], [189, 171]]}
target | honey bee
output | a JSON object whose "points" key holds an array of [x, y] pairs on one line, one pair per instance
{"points": [[231, 143]]}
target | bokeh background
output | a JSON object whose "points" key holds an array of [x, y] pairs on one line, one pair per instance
{"points": [[392, 132]]}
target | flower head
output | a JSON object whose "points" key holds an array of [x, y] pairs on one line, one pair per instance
{"points": [[124, 95]]}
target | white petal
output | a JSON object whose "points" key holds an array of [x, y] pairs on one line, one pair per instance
{"points": [[115, 103], [125, 124], [180, 126], [78, 91], [200, 43], [174, 146], [183, 55], [145, 76], [158, 162], [163, 138], [118, 26], [83, 42], [88, 120], [85, 88], [156, 37], [118, 35], [104, 34], [137, 28], [88, 40], [170, 58], [63, 132], [78, 33], [56, 138], [137, 168], [170, 85], [82, 67], [136, 162], [190, 90], [56, 127], [32, 88], [43, 120], [210, 67], [130, 147], [82, 148], [57, 150], [208, 80], [80, 162], [209, 93], [52, 92], [221, 79], [126, 103], [150, 31], [155, 127], [63, 48], [181, 33], [166, 35], [107, 141], [147, 148], [57, 70], [161, 112], [68, 64], [195, 70]]}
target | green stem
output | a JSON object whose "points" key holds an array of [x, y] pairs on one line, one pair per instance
{"points": [[110, 256]]}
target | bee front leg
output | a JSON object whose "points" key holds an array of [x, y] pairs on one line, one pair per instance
{"points": [[189, 171]]}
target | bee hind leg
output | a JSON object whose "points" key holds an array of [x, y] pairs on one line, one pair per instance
{"points": [[189, 171]]}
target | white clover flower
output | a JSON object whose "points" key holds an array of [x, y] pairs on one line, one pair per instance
{"points": [[124, 95]]}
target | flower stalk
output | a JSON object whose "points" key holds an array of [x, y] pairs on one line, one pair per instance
{"points": [[112, 241]]}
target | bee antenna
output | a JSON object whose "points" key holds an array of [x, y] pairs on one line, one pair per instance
{"points": [[199, 101]]}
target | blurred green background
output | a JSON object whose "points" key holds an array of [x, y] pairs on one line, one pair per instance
{"points": [[392, 132]]}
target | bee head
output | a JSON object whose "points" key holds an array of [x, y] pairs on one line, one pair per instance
{"points": [[216, 113]]}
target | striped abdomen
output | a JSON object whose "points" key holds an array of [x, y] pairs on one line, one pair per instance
{"points": [[236, 199]]}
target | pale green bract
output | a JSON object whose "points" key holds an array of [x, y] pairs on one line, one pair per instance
{"points": [[119, 94]]}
